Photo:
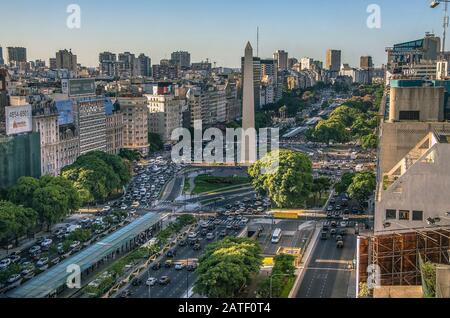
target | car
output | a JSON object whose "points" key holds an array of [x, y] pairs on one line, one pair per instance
{"points": [[156, 266], [210, 236], [136, 282], [333, 231], [217, 221], [171, 253], [4, 263], [151, 281], [324, 235], [244, 220], [27, 273], [339, 238], [343, 224], [191, 267], [340, 244], [42, 262], [14, 279], [182, 243], [179, 266], [223, 233], [230, 219], [75, 244], [204, 232], [15, 258], [168, 263], [165, 280], [123, 207], [34, 249], [55, 260], [197, 247], [46, 243], [126, 294]]}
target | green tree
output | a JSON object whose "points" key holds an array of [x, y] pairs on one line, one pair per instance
{"points": [[51, 203], [286, 176], [227, 266], [369, 141], [130, 155], [22, 191], [66, 187], [15, 221], [344, 183], [362, 186], [283, 269], [155, 141], [329, 130], [320, 185]]}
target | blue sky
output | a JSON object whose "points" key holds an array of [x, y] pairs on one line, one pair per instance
{"points": [[214, 29]]}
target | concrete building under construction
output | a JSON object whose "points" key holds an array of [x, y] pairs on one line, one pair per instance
{"points": [[412, 204]]}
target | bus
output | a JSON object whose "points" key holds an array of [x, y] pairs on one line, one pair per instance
{"points": [[276, 236]]}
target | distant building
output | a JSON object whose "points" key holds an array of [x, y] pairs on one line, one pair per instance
{"points": [[306, 63], [16, 55], [108, 64], [144, 66], [333, 60], [66, 60], [2, 61], [126, 64], [366, 63], [282, 59], [181, 59], [114, 128]]}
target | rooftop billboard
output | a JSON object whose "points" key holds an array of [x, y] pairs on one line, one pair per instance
{"points": [[18, 119], [79, 87]]}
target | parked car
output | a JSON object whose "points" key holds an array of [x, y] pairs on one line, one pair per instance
{"points": [[210, 236], [156, 266], [4, 263], [179, 266], [165, 280]]}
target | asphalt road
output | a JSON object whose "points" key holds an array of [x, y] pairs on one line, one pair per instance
{"points": [[181, 280], [327, 274]]}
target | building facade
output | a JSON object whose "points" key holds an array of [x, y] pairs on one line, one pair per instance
{"points": [[135, 120]]}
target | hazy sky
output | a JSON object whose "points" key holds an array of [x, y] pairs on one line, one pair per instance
{"points": [[215, 29]]}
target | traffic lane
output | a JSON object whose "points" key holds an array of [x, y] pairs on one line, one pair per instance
{"points": [[327, 274], [216, 195], [179, 279], [176, 189]]}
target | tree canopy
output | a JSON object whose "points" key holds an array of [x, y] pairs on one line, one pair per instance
{"points": [[362, 186], [15, 220], [289, 184], [227, 266]]}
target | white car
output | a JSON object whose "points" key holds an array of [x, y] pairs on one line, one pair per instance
{"points": [[47, 243], [106, 208], [4, 263], [123, 207], [151, 281]]}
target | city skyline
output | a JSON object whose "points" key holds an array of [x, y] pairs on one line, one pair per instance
{"points": [[221, 31]]}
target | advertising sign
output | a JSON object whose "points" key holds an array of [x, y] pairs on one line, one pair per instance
{"points": [[18, 119], [82, 87]]}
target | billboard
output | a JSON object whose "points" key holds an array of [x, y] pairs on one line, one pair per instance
{"points": [[65, 111], [82, 87], [18, 119]]}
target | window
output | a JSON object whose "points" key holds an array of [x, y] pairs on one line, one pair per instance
{"points": [[403, 215], [417, 216], [409, 115], [391, 214]]}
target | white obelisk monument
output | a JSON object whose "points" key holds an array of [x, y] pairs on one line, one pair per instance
{"points": [[248, 143]]}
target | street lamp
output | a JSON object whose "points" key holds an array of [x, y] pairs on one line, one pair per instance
{"points": [[435, 4]]}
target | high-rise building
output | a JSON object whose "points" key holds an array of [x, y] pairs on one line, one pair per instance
{"points": [[181, 59], [144, 66], [135, 119], [126, 64], [248, 144], [282, 59], [66, 60], [16, 54], [291, 62], [306, 63], [366, 63], [333, 60], [2, 61], [52, 63], [108, 64]]}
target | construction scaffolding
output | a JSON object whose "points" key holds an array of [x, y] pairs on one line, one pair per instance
{"points": [[397, 255]]}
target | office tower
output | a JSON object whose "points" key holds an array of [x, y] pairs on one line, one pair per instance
{"points": [[366, 63], [181, 59], [107, 64], [306, 63], [144, 66], [66, 60], [52, 63], [126, 64], [333, 60], [291, 62], [1, 56], [282, 59], [248, 146], [16, 54]]}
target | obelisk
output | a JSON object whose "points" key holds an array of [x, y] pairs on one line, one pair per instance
{"points": [[248, 143]]}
